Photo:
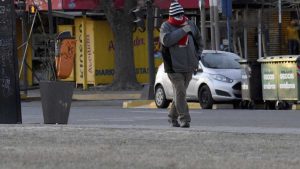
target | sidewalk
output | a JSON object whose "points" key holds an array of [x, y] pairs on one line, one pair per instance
{"points": [[92, 95], [131, 98], [94, 147]]}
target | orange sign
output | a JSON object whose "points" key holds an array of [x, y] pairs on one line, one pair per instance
{"points": [[65, 60]]}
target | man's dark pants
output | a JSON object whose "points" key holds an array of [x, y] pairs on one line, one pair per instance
{"points": [[179, 107]]}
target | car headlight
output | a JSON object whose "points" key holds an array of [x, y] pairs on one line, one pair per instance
{"points": [[222, 78]]}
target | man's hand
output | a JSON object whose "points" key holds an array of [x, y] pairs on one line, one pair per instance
{"points": [[187, 28], [195, 71]]}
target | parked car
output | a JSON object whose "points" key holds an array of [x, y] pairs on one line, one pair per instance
{"points": [[218, 80]]}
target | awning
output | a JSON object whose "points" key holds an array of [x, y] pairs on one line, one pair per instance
{"points": [[74, 14], [59, 5]]}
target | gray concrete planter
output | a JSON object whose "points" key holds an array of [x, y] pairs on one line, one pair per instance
{"points": [[56, 101]]}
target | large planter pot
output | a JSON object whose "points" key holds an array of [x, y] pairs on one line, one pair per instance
{"points": [[56, 101]]}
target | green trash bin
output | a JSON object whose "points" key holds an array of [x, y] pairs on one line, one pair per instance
{"points": [[280, 79], [269, 78], [288, 80]]}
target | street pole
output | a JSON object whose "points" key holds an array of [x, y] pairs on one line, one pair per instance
{"points": [[52, 40], [229, 33], [280, 25], [203, 22], [212, 25], [150, 29], [245, 17], [10, 104], [259, 31], [217, 28], [50, 18], [227, 11], [24, 40]]}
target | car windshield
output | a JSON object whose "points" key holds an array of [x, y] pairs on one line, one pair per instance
{"points": [[220, 61]]}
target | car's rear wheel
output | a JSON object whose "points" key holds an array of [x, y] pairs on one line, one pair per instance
{"points": [[205, 98], [160, 98]]}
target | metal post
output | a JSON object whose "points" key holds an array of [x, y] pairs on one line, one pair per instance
{"points": [[217, 29], [50, 17], [280, 25], [229, 34], [212, 25], [150, 29], [203, 23], [24, 40], [52, 40], [259, 34], [245, 17], [234, 35]]}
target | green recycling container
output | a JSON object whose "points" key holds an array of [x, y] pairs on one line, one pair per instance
{"points": [[269, 78], [280, 77], [288, 81]]}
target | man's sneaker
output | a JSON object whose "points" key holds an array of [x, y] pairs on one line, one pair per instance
{"points": [[174, 123], [185, 125]]}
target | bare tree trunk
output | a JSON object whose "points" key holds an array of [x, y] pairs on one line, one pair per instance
{"points": [[120, 22]]}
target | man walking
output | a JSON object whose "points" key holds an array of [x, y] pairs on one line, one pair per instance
{"points": [[181, 38]]}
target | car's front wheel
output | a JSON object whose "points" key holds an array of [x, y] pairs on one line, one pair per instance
{"points": [[205, 98], [160, 98]]}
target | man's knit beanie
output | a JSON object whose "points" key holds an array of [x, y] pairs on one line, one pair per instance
{"points": [[175, 8]]}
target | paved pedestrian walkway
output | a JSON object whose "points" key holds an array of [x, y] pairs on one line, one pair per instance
{"points": [[93, 94], [95, 147]]}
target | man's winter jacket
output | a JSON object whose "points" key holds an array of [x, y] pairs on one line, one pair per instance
{"points": [[183, 59]]}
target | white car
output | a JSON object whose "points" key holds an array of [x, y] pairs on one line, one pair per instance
{"points": [[218, 80]]}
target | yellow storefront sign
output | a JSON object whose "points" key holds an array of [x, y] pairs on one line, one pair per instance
{"points": [[100, 53], [81, 51]]}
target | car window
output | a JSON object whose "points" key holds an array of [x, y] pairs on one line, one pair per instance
{"points": [[220, 61]]}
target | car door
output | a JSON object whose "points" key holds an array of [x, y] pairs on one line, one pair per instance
{"points": [[192, 91]]}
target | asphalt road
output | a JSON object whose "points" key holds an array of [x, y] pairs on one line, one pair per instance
{"points": [[111, 113]]}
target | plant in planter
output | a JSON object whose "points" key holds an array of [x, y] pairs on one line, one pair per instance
{"points": [[57, 95]]}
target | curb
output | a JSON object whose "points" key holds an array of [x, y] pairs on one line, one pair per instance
{"points": [[139, 104], [150, 104], [29, 98], [101, 97], [90, 97], [222, 106], [296, 107]]}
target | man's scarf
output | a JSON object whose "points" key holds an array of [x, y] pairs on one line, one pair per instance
{"points": [[180, 23]]}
